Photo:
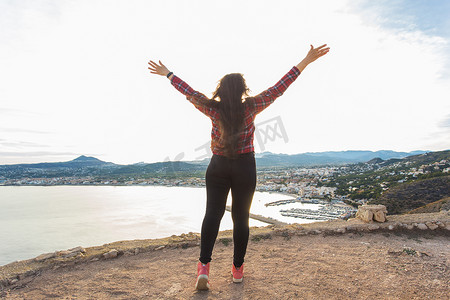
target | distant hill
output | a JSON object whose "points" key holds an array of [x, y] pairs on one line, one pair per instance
{"points": [[85, 165], [408, 196], [79, 162], [91, 166], [80, 166], [417, 159], [157, 168], [268, 159], [394, 182], [437, 206]]}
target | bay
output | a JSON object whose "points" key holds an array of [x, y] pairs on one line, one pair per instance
{"points": [[38, 219]]}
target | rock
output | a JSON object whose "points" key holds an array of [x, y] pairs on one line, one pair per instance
{"points": [[95, 259], [365, 215], [352, 228], [368, 213], [159, 248], [379, 216], [409, 226], [372, 227], [77, 249], [297, 226], [111, 254], [432, 225], [340, 230], [45, 256], [136, 251], [71, 254], [391, 227], [423, 254], [440, 224], [422, 226], [447, 227], [4, 283]]}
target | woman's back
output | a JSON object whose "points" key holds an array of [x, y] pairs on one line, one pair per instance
{"points": [[250, 107]]}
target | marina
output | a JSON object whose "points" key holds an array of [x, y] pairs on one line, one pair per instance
{"points": [[327, 210], [324, 213], [283, 202], [297, 200]]}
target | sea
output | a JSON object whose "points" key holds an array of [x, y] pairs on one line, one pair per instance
{"points": [[42, 219]]}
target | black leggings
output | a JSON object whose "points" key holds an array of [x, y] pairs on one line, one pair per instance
{"points": [[224, 174]]}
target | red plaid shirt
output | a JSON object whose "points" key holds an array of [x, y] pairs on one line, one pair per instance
{"points": [[260, 102]]}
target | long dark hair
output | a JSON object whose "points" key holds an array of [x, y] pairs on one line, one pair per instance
{"points": [[230, 90]]}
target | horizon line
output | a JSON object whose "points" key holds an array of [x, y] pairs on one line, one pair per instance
{"points": [[199, 160]]}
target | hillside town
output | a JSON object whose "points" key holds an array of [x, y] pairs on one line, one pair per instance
{"points": [[296, 181], [337, 189], [313, 182], [299, 183]]}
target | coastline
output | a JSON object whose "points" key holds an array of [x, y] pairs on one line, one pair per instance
{"points": [[415, 225], [257, 217], [101, 214], [114, 220]]}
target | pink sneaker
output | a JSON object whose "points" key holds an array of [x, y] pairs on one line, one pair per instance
{"points": [[202, 276], [238, 273]]}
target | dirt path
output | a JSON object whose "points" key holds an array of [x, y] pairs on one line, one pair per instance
{"points": [[349, 266]]}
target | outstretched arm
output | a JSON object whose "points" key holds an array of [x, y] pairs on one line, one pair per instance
{"points": [[313, 54], [199, 100], [179, 84], [264, 99]]}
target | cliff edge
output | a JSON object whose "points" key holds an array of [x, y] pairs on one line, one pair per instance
{"points": [[406, 257]]}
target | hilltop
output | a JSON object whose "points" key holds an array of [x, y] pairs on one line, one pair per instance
{"points": [[86, 165], [405, 258], [437, 206], [413, 195], [400, 184]]}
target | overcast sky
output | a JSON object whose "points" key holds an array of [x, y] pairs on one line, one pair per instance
{"points": [[74, 78]]}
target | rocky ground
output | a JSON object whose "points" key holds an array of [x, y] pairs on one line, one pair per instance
{"points": [[326, 260]]}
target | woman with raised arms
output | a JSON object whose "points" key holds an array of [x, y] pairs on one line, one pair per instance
{"points": [[232, 167]]}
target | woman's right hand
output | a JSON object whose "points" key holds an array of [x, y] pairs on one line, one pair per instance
{"points": [[313, 54], [158, 69]]}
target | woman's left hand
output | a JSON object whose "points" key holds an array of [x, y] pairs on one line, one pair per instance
{"points": [[158, 69]]}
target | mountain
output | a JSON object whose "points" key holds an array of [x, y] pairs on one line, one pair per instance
{"points": [[416, 160], [375, 160], [412, 195], [83, 165], [83, 158], [402, 184], [437, 206], [86, 165], [268, 159], [79, 162], [159, 168], [91, 166]]}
